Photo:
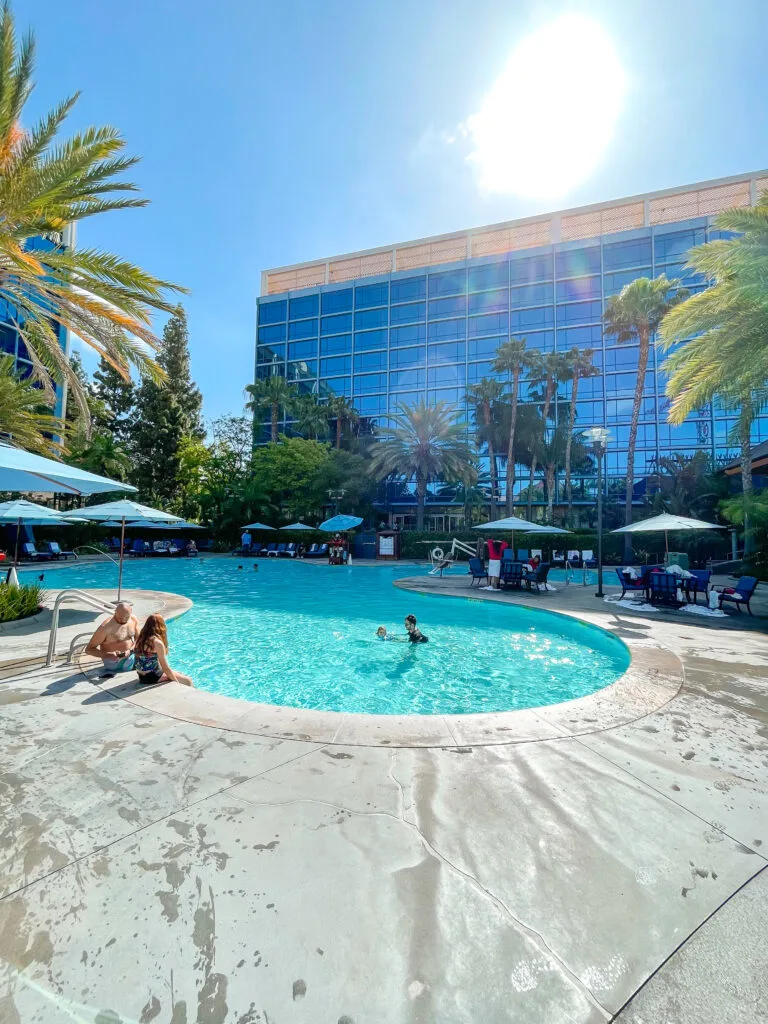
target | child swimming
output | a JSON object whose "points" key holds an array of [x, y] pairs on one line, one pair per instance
{"points": [[382, 634]]}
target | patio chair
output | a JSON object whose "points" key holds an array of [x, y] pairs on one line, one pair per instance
{"points": [[537, 553], [574, 557], [270, 549], [31, 552], [290, 550], [537, 578], [137, 549], [522, 555], [279, 550], [255, 549], [632, 586], [55, 551], [161, 547], [477, 571], [697, 583], [511, 574], [588, 559], [663, 589], [740, 594], [318, 551], [176, 547], [558, 558]]}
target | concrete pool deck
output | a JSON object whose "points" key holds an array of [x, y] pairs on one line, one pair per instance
{"points": [[157, 869]]}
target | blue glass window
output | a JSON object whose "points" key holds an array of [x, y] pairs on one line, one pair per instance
{"points": [[368, 382], [687, 276], [489, 275], [7, 340], [271, 353], [589, 413], [368, 295], [446, 375], [579, 288], [301, 308], [451, 353], [337, 302], [442, 330], [580, 313], [476, 371], [409, 314], [407, 379], [302, 349], [578, 262], [274, 333], [452, 282], [407, 335], [369, 340], [333, 367], [370, 361], [581, 337], [634, 253], [676, 244], [529, 269], [493, 323], [371, 318], [336, 386], [623, 358], [272, 312], [451, 397], [544, 341], [522, 319], [373, 405], [613, 283], [302, 329], [407, 400], [336, 346], [336, 324], [270, 370], [408, 289], [589, 387], [624, 383], [484, 348], [489, 302], [532, 295], [456, 306], [302, 369], [399, 357]]}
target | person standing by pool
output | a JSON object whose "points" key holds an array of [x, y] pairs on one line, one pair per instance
{"points": [[496, 549], [246, 541], [151, 655], [114, 640], [415, 635]]}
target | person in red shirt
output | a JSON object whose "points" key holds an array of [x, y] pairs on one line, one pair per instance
{"points": [[496, 549]]}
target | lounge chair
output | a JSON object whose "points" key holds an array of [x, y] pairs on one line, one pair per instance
{"points": [[137, 549], [558, 558], [321, 551], [176, 547], [697, 583], [537, 578], [311, 550], [161, 547], [588, 559], [630, 585], [537, 553], [663, 589], [55, 551], [270, 549], [477, 571], [31, 552], [290, 550], [279, 550], [522, 555], [511, 574], [574, 557], [740, 594]]}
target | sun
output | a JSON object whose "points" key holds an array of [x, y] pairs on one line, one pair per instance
{"points": [[549, 117]]}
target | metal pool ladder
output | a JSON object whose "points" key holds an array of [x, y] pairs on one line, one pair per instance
{"points": [[94, 602]]}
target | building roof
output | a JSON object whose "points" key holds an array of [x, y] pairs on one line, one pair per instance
{"points": [[666, 206], [759, 455]]}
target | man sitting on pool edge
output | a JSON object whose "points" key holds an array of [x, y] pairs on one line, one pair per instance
{"points": [[114, 640]]}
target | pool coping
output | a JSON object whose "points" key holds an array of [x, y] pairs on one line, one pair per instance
{"points": [[653, 678]]}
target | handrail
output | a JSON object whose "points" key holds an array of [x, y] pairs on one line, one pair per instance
{"points": [[74, 643], [60, 599], [90, 547]]}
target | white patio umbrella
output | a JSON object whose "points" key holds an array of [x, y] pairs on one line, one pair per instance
{"points": [[32, 514], [666, 522], [24, 471], [126, 511], [512, 523], [299, 526]]}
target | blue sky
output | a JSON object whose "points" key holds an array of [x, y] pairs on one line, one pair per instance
{"points": [[276, 133]]}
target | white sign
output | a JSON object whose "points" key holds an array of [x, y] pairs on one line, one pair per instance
{"points": [[387, 546]]}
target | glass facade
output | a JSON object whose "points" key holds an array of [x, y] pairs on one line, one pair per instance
{"points": [[395, 339]]}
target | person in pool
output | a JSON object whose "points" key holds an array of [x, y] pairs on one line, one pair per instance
{"points": [[151, 655], [415, 636], [382, 634]]}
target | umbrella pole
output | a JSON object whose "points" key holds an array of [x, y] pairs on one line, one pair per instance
{"points": [[16, 553], [666, 544], [120, 570]]}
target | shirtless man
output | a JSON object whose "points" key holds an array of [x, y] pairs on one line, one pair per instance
{"points": [[114, 639]]}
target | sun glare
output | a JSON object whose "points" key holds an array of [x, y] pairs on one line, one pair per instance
{"points": [[548, 118]]}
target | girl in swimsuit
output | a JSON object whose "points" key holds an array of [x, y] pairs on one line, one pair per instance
{"points": [[150, 655]]}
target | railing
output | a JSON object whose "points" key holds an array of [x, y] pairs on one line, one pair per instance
{"points": [[62, 597], [99, 551], [75, 641], [570, 573]]}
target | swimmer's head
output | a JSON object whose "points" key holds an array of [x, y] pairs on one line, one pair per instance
{"points": [[239, 567], [381, 632], [410, 622]]}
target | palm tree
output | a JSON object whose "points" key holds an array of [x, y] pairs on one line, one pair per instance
{"points": [[546, 370], [554, 452], [22, 419], [581, 366], [485, 396], [424, 442], [633, 316], [311, 416], [344, 413], [100, 453], [270, 395], [44, 187], [511, 359]]}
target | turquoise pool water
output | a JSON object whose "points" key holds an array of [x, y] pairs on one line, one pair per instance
{"points": [[303, 635]]}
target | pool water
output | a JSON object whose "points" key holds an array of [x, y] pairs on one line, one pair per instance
{"points": [[303, 635]]}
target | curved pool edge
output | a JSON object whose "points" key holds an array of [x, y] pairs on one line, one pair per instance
{"points": [[653, 678]]}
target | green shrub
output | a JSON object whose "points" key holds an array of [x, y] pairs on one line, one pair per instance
{"points": [[19, 602]]}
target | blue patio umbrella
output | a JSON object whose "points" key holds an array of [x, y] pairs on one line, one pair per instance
{"points": [[299, 526], [32, 514], [339, 523], [256, 526], [24, 471]]}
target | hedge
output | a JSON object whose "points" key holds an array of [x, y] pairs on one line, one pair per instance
{"points": [[19, 602]]}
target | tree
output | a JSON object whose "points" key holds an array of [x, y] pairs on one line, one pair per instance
{"points": [[286, 473], [581, 366], [117, 396], [546, 370], [511, 358], [179, 386], [233, 437], [633, 316], [555, 450], [425, 441], [485, 397], [44, 187], [273, 395], [100, 453], [344, 413], [24, 419], [311, 417]]}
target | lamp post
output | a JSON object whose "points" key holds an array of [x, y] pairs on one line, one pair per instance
{"points": [[336, 497], [598, 438]]}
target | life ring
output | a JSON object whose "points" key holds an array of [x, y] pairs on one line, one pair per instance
{"points": [[437, 554]]}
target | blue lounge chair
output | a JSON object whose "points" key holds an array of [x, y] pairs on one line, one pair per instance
{"points": [[290, 550], [741, 593], [277, 551], [256, 549], [537, 578], [176, 547], [270, 549], [632, 586], [55, 551], [522, 555], [511, 573], [137, 549], [477, 571], [697, 583], [588, 559], [31, 552], [321, 551], [662, 589]]}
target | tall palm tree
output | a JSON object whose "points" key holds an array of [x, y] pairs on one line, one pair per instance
{"points": [[581, 366], [272, 394], [633, 316], [311, 416], [547, 371], [511, 358], [424, 442], [485, 397], [22, 417], [554, 451], [46, 185], [344, 413]]}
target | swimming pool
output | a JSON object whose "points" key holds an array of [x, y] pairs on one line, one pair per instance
{"points": [[302, 635]]}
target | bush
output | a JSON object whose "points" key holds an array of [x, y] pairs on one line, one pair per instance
{"points": [[19, 602]]}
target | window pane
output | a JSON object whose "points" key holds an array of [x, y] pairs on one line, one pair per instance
{"points": [[336, 386], [544, 341], [636, 253], [409, 314], [302, 329], [370, 339], [274, 333], [446, 375], [373, 405], [371, 318], [675, 244], [490, 275], [452, 282], [302, 369], [580, 313], [408, 289], [332, 367], [456, 306], [407, 335], [484, 348], [530, 268], [336, 346], [302, 349], [370, 361], [576, 262], [372, 295], [336, 324], [613, 283], [300, 308], [580, 288], [407, 379], [581, 337], [270, 370], [489, 302], [370, 382], [445, 329], [451, 396], [476, 371], [522, 319], [624, 358], [399, 357], [532, 295], [271, 353], [494, 323], [451, 353], [272, 312], [337, 302]]}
